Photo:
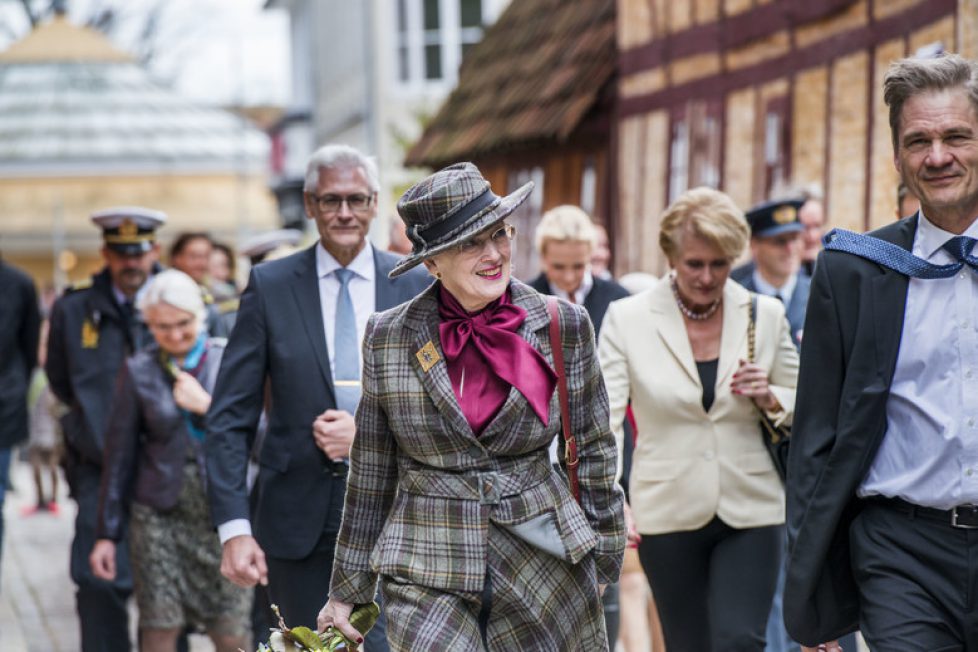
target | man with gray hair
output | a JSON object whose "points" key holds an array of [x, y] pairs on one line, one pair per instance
{"points": [[882, 484], [295, 350]]}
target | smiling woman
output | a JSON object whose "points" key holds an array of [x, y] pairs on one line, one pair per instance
{"points": [[453, 430]]}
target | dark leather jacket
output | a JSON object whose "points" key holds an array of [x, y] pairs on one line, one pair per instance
{"points": [[146, 439]]}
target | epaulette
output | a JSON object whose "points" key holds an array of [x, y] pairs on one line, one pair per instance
{"points": [[228, 305], [83, 284]]}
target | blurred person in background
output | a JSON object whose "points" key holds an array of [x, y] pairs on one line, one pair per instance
{"points": [[258, 247], [20, 323], [704, 492], [399, 243], [190, 253], [812, 218], [222, 273], [566, 239], [774, 269], [154, 477], [44, 444], [94, 327]]}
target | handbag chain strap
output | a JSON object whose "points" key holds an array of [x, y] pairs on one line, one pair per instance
{"points": [[752, 327]]}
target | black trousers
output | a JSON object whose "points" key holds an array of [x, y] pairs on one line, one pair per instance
{"points": [[300, 587], [102, 612], [713, 586], [917, 578]]}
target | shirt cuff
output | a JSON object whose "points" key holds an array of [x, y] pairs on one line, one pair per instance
{"points": [[234, 528]]}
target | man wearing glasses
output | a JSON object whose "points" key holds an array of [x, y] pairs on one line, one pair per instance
{"points": [[295, 350]]}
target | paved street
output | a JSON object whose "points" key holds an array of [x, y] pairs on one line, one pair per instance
{"points": [[37, 598]]}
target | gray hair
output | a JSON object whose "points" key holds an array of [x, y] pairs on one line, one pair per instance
{"points": [[913, 76], [340, 156], [176, 289]]}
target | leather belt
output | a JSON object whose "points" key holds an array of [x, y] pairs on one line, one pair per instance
{"points": [[963, 516]]}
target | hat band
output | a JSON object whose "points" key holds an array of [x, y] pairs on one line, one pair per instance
{"points": [[128, 239], [441, 229]]}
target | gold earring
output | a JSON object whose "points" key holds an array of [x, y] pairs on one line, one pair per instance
{"points": [[438, 275]]}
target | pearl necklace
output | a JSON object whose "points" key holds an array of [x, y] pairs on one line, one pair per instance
{"points": [[686, 310]]}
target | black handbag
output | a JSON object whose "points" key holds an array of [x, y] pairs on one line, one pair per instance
{"points": [[776, 438]]}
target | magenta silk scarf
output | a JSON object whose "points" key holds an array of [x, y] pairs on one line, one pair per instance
{"points": [[485, 357]]}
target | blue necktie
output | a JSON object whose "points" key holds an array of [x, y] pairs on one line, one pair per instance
{"points": [[346, 347], [899, 259]]}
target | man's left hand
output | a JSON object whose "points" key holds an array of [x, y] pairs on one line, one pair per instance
{"points": [[333, 431]]}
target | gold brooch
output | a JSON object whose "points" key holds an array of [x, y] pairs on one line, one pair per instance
{"points": [[428, 356], [89, 335]]}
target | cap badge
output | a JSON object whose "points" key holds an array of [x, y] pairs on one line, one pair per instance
{"points": [[785, 215], [128, 228]]}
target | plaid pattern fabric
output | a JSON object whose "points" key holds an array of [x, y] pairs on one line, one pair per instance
{"points": [[538, 603], [409, 423]]}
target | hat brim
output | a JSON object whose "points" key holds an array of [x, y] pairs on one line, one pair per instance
{"points": [[479, 222], [130, 248], [794, 227]]}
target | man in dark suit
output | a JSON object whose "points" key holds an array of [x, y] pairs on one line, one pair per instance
{"points": [[774, 268], [883, 472], [94, 326], [299, 318], [20, 324]]}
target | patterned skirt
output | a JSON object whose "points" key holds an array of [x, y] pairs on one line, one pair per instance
{"points": [[176, 566]]}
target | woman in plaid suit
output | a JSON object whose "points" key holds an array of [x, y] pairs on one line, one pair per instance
{"points": [[452, 499]]}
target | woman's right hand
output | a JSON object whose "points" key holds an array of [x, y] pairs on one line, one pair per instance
{"points": [[336, 614], [102, 559]]}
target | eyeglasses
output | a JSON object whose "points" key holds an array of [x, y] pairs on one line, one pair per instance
{"points": [[175, 326], [358, 203], [501, 238]]}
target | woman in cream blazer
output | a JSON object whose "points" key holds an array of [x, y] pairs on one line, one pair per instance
{"points": [[704, 493]]}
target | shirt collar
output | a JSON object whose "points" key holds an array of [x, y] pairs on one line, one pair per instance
{"points": [[587, 283], [785, 291], [930, 238], [362, 265]]}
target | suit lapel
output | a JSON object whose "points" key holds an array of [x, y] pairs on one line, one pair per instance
{"points": [[671, 328], [423, 319], [736, 318], [306, 293], [889, 291]]}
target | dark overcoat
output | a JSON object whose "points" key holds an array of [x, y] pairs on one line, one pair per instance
{"points": [[19, 330]]}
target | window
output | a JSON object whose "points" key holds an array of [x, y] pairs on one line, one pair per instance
{"points": [[403, 48], [470, 14], [776, 146], [433, 36], [432, 40], [695, 146]]}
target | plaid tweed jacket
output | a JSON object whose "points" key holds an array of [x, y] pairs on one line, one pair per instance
{"points": [[423, 488]]}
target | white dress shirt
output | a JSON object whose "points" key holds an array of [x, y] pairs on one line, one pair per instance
{"points": [[929, 454], [363, 292], [784, 292]]}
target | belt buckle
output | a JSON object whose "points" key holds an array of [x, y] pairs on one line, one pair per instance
{"points": [[970, 513], [488, 488]]}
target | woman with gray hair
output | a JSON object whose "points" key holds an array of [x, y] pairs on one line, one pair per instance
{"points": [[153, 471]]}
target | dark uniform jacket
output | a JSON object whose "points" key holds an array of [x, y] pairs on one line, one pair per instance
{"points": [[19, 330], [795, 310], [88, 341], [855, 322], [279, 338], [597, 300], [146, 439]]}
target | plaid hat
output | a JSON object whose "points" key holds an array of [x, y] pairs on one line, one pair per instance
{"points": [[448, 207], [129, 230], [775, 217]]}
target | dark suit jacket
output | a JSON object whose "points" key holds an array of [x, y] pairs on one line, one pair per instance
{"points": [[852, 337], [19, 330], [279, 338], [597, 300], [87, 344], [795, 310], [146, 438]]}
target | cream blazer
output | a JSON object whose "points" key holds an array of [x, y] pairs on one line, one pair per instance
{"points": [[690, 465]]}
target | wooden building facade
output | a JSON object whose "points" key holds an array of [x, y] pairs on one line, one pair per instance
{"points": [[751, 95]]}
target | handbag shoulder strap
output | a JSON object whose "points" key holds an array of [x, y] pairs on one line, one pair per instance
{"points": [[570, 444], [752, 328]]}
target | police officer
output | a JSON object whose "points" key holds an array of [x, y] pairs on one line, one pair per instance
{"points": [[94, 326]]}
